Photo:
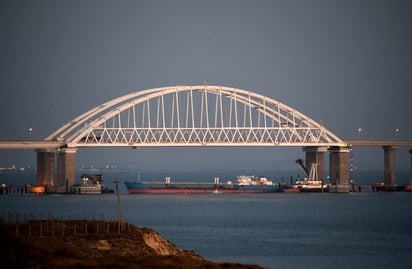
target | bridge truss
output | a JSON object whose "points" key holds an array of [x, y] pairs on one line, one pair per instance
{"points": [[194, 116]]}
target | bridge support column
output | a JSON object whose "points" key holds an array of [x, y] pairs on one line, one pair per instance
{"points": [[66, 169], [316, 155], [339, 166], [45, 167], [389, 165]]}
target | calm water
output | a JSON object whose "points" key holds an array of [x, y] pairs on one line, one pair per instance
{"points": [[313, 230]]}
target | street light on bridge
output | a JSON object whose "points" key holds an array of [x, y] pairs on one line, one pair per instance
{"points": [[396, 133], [359, 132], [30, 130]]}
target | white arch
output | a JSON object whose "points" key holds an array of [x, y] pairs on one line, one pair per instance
{"points": [[193, 116]]}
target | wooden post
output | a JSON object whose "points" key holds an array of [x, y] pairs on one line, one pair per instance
{"points": [[120, 223], [410, 177]]}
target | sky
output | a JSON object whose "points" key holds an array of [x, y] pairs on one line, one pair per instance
{"points": [[345, 63]]}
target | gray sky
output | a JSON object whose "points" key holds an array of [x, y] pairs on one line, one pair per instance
{"points": [[346, 63]]}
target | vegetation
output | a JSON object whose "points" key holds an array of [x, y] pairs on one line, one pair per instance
{"points": [[56, 243]]}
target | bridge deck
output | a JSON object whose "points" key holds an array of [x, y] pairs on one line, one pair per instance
{"points": [[46, 144], [377, 143], [31, 144]]}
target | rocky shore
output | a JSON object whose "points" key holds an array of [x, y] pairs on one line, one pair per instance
{"points": [[93, 244]]}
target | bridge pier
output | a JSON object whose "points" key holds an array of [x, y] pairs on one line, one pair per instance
{"points": [[66, 168], [339, 166], [389, 166], [316, 155], [45, 167]]}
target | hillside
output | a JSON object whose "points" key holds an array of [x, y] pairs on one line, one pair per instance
{"points": [[93, 244]]}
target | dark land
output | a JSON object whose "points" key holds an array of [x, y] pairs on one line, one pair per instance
{"points": [[93, 244]]}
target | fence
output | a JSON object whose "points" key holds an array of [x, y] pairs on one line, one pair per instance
{"points": [[32, 226]]}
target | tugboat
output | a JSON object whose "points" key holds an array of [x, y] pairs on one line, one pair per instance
{"points": [[91, 185]]}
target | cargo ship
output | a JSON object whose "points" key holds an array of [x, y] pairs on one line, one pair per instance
{"points": [[243, 184]]}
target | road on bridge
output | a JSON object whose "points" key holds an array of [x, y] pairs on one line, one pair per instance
{"points": [[45, 144], [31, 144], [377, 143]]}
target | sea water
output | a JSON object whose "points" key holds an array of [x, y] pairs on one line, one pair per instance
{"points": [[278, 230]]}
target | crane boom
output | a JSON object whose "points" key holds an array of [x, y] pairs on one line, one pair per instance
{"points": [[300, 163]]}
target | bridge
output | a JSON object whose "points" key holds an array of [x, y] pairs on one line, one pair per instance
{"points": [[32, 144], [379, 143], [200, 115]]}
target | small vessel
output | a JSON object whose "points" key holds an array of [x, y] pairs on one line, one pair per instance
{"points": [[291, 189], [243, 184], [216, 192], [310, 183], [91, 185], [390, 188]]}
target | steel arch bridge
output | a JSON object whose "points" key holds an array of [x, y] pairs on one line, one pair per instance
{"points": [[194, 116]]}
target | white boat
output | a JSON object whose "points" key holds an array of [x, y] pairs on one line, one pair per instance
{"points": [[216, 192], [311, 182]]}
